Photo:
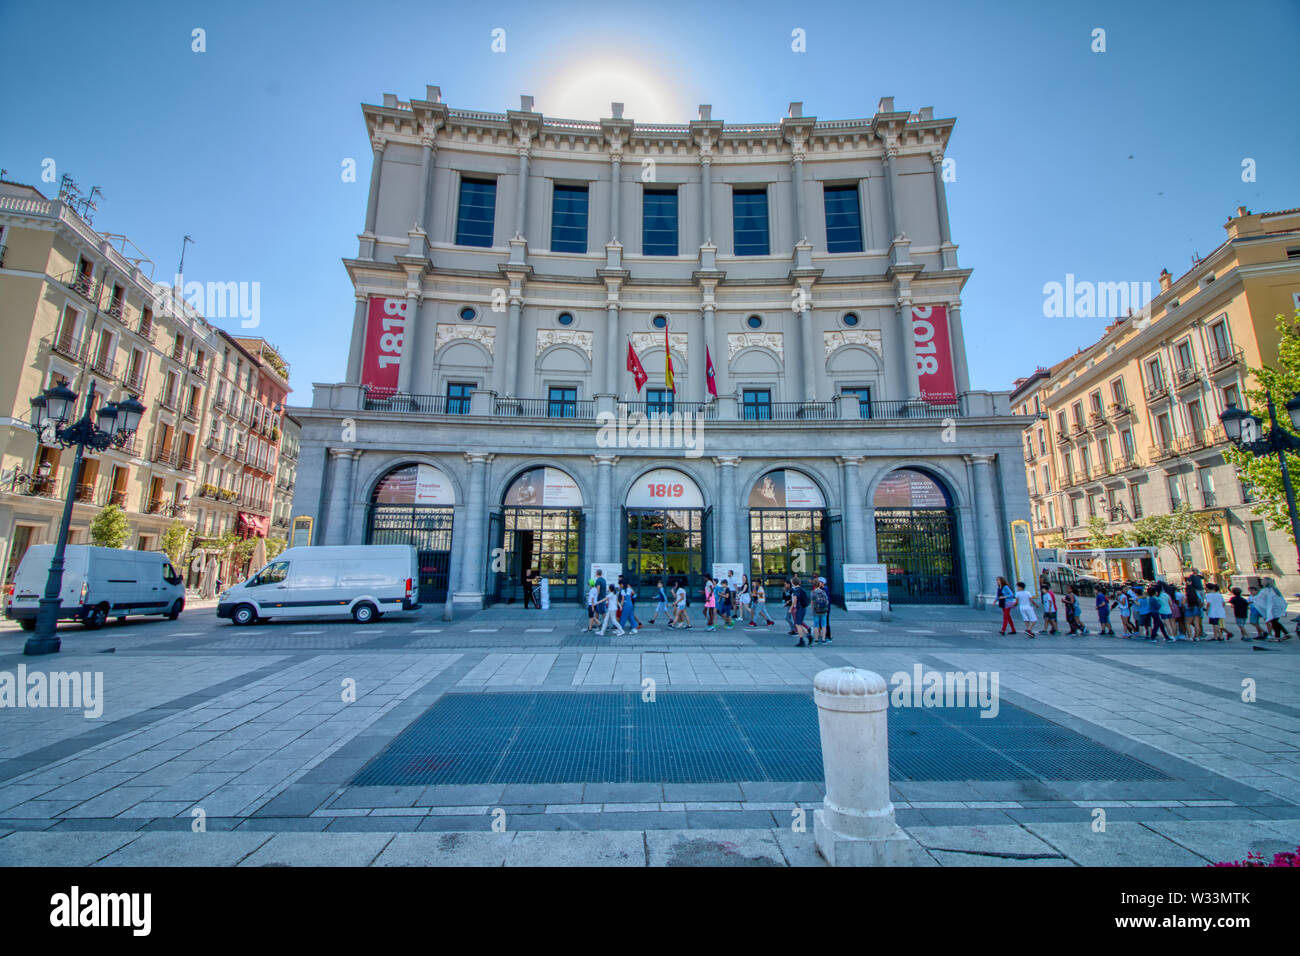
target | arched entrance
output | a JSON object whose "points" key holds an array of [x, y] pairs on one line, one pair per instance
{"points": [[916, 539], [539, 530], [666, 529], [789, 529], [413, 504]]}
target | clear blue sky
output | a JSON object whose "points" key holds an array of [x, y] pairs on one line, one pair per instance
{"points": [[1107, 165]]}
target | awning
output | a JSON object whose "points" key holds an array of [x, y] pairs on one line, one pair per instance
{"points": [[254, 524]]}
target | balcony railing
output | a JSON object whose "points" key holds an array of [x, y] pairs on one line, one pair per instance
{"points": [[575, 409], [133, 382], [1097, 420], [1155, 391], [115, 498], [117, 310], [1163, 451], [1225, 357], [1029, 454], [1187, 375], [169, 402], [192, 411], [199, 372], [187, 462], [163, 455], [146, 331], [789, 411], [155, 507], [69, 347], [86, 492], [79, 283], [1120, 409], [104, 365], [178, 354], [1077, 427], [1062, 438], [906, 409], [38, 486]]}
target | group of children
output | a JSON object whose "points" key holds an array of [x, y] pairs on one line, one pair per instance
{"points": [[1155, 612]]}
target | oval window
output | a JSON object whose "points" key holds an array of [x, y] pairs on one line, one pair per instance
{"points": [[755, 321], [851, 319], [660, 321], [468, 314], [565, 318]]}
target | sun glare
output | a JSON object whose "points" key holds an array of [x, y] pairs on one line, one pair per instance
{"points": [[585, 90]]}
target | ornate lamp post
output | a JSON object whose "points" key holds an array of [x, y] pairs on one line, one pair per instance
{"points": [[113, 426], [1246, 432]]}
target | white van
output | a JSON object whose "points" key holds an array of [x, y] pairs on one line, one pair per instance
{"points": [[365, 581], [98, 583]]}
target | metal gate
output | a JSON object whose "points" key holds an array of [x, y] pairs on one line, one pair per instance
{"points": [[833, 544], [919, 547], [658, 549], [428, 528], [494, 570]]}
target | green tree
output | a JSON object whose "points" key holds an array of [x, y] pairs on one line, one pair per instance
{"points": [[1264, 474], [1055, 540], [109, 528], [274, 546], [1099, 536], [176, 542], [1168, 531]]}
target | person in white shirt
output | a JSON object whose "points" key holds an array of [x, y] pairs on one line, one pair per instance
{"points": [[592, 594], [610, 612], [1025, 601], [1216, 610]]}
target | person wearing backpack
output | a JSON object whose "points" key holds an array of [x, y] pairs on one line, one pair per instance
{"points": [[821, 606], [799, 602]]}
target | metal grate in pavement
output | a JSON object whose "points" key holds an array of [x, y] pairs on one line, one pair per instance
{"points": [[705, 737]]}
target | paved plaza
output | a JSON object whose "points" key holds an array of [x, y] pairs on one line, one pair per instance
{"points": [[508, 737]]}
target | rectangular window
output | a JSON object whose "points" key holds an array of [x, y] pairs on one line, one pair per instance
{"points": [[1219, 335], [1195, 417], [458, 397], [1231, 396], [1077, 410], [1135, 502], [1042, 442], [864, 399], [843, 219], [474, 218], [1047, 479], [1175, 491], [659, 401], [1164, 433], [659, 222], [1126, 439], [1183, 355], [569, 219], [1206, 481], [1117, 391], [1051, 514], [749, 222], [562, 402], [757, 404], [1074, 512], [1259, 541], [1060, 423], [1095, 400]]}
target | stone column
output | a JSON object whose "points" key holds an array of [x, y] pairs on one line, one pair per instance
{"points": [[406, 367], [958, 343], [941, 197], [706, 207], [506, 355], [610, 355], [911, 377], [473, 552], [606, 515], [357, 348], [988, 528], [426, 167], [376, 172], [339, 495], [855, 543], [615, 187], [521, 200], [808, 355], [728, 548]]}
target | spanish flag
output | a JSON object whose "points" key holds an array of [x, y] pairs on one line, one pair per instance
{"points": [[668, 372]]}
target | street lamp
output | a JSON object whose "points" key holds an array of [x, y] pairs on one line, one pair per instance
{"points": [[1246, 432], [113, 427]]}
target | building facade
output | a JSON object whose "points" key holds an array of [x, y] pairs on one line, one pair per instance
{"points": [[81, 306], [513, 266], [1130, 425]]}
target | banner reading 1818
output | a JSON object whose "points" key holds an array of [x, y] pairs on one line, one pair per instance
{"points": [[934, 354], [385, 328]]}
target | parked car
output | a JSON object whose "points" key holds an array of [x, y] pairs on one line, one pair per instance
{"points": [[98, 583], [365, 581]]}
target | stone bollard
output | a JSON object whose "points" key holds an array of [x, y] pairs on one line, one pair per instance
{"points": [[447, 614], [855, 826]]}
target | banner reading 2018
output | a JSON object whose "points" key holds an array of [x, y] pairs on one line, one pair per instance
{"points": [[934, 354], [385, 329]]}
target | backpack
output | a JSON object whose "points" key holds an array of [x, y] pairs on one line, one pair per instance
{"points": [[821, 604], [800, 597]]}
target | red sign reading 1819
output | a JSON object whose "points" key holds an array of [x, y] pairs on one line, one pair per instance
{"points": [[665, 491]]}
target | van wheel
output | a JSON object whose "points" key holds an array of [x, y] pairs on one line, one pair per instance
{"points": [[175, 612], [364, 613], [27, 625], [97, 617], [244, 614]]}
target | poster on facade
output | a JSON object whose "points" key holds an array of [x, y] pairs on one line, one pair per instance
{"points": [[664, 488], [785, 489], [608, 571], [1022, 550], [908, 488], [432, 487], [544, 488], [300, 535], [934, 354], [720, 572], [866, 587], [385, 329]]}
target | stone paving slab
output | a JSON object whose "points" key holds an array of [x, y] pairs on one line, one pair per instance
{"points": [[315, 849], [184, 849]]}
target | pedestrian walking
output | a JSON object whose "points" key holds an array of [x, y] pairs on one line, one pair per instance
{"points": [[710, 603], [1194, 607], [799, 602], [726, 606], [830, 602], [1240, 611], [1216, 611], [628, 595], [1006, 601], [1072, 611], [1026, 603], [1125, 602], [607, 605], [681, 618], [662, 602], [1160, 613], [1048, 597], [1273, 610], [746, 601], [787, 598], [1103, 613], [821, 607], [1255, 616], [760, 606]]}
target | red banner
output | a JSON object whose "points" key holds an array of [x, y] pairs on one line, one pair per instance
{"points": [[934, 366], [385, 328]]}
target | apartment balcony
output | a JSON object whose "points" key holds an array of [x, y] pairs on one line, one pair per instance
{"points": [[186, 462], [169, 402], [1163, 452], [85, 493], [1186, 376], [146, 331], [218, 404], [1225, 358], [133, 382], [1077, 427], [192, 412], [199, 372], [1189, 443], [1062, 438], [1029, 454], [575, 409], [104, 365], [1097, 420], [156, 507], [163, 456], [1127, 463], [81, 284], [1155, 391], [117, 311], [115, 497], [1120, 410], [803, 411], [68, 347]]}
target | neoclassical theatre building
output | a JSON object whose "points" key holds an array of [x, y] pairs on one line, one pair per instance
{"points": [[516, 277]]}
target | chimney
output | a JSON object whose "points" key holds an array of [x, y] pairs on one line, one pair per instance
{"points": [[926, 113], [706, 112], [796, 111], [886, 105], [433, 94], [525, 103], [390, 100], [1166, 280], [1242, 211], [616, 110]]}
